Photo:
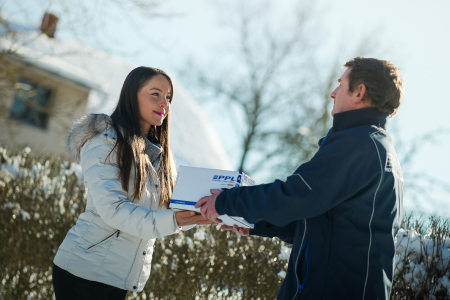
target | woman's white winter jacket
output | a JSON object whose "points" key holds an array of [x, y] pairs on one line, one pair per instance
{"points": [[112, 241]]}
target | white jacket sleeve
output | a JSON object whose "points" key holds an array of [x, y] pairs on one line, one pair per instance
{"points": [[187, 227], [111, 201]]}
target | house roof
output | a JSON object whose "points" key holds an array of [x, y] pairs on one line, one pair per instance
{"points": [[194, 141]]}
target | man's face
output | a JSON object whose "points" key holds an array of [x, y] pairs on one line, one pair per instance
{"points": [[343, 100]]}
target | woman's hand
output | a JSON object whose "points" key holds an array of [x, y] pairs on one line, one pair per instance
{"points": [[185, 218], [240, 230]]}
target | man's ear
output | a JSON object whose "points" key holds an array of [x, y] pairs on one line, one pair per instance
{"points": [[359, 93]]}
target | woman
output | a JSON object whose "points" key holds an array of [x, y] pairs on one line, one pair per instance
{"points": [[130, 174]]}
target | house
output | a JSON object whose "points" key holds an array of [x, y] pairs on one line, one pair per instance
{"points": [[57, 81]]}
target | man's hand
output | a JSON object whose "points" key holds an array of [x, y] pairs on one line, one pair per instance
{"points": [[185, 218], [208, 206], [239, 230]]}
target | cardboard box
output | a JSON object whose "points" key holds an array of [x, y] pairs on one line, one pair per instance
{"points": [[195, 183]]}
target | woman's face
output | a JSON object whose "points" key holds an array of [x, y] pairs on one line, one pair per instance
{"points": [[153, 101]]}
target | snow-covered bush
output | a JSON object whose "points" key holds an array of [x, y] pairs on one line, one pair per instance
{"points": [[41, 197], [422, 261]]}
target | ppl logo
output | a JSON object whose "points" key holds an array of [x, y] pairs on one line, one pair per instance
{"points": [[222, 178]]}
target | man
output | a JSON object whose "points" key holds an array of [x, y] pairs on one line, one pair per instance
{"points": [[342, 209]]}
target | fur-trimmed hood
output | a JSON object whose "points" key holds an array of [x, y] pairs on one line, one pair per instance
{"points": [[84, 129], [91, 125]]}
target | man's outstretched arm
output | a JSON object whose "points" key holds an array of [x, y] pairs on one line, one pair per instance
{"points": [[334, 175], [264, 229]]}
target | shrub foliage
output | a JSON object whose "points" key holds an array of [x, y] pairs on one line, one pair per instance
{"points": [[41, 197], [422, 261]]}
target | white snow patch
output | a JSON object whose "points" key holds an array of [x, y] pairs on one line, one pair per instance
{"points": [[285, 253], [25, 215], [200, 235], [282, 274]]}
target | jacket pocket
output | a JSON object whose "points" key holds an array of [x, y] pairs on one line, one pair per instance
{"points": [[302, 267], [115, 233]]}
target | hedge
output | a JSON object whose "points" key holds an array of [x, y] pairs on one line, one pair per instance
{"points": [[42, 195]]}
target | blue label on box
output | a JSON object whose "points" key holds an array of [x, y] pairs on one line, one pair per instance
{"points": [[222, 178], [183, 202]]}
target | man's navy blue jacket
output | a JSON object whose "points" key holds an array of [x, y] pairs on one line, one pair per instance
{"points": [[341, 211]]}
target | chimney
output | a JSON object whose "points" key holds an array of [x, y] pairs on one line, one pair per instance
{"points": [[48, 25]]}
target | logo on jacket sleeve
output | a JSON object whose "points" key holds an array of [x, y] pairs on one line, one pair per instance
{"points": [[393, 165]]}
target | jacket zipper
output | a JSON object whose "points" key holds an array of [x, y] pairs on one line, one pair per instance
{"points": [[296, 263], [301, 286], [140, 273], [109, 236], [135, 253]]}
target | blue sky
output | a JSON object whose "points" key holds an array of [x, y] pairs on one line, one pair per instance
{"points": [[414, 34]]}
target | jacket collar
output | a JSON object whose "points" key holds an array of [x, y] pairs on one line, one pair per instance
{"points": [[368, 116], [153, 150]]}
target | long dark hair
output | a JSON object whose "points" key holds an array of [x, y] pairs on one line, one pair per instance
{"points": [[131, 143]]}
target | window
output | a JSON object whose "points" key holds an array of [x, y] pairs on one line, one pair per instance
{"points": [[30, 103]]}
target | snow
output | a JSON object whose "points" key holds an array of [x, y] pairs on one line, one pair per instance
{"points": [[282, 274], [200, 235], [445, 282], [194, 141], [179, 239], [190, 242], [25, 215], [447, 243], [409, 242], [285, 253], [419, 251], [398, 264], [39, 176]]}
